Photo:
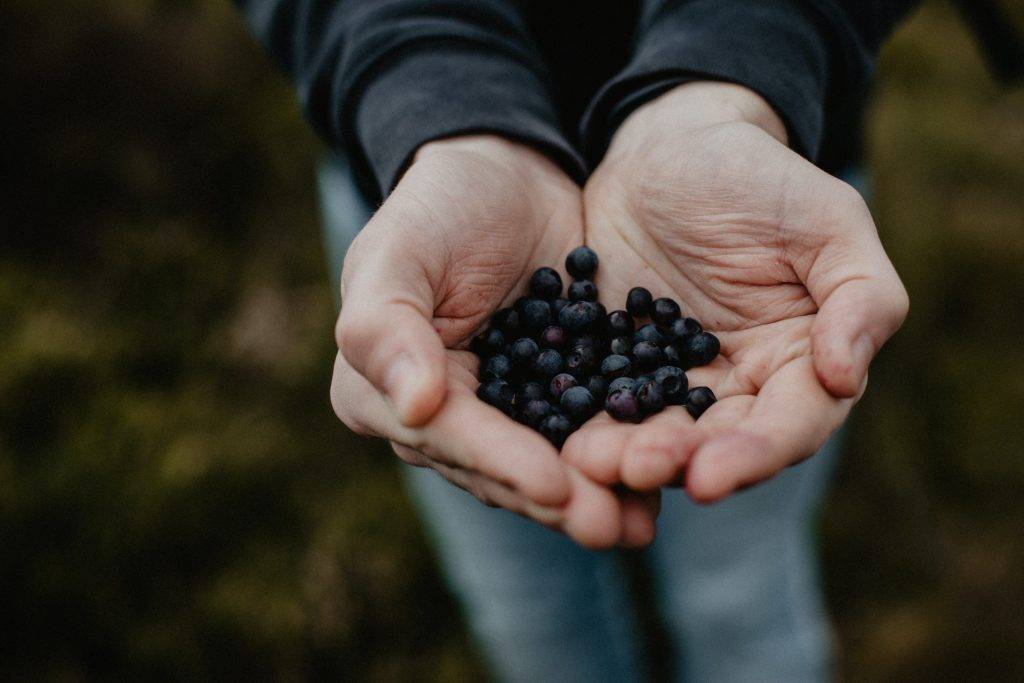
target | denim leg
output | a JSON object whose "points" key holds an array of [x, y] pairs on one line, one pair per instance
{"points": [[736, 581], [541, 607]]}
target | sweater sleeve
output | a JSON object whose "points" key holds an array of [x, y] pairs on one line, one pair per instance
{"points": [[379, 78], [807, 58]]}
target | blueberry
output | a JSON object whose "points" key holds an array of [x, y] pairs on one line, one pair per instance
{"points": [[621, 324], [638, 302], [548, 363], [650, 397], [545, 283], [647, 356], [622, 405], [578, 404], [557, 305], [672, 355], [698, 400], [556, 429], [597, 385], [622, 345], [578, 316], [536, 313], [553, 337], [535, 411], [673, 383], [702, 349], [496, 367], [583, 290], [522, 351], [488, 342], [507, 320], [649, 333], [581, 262], [684, 328], [615, 366], [580, 362], [621, 383], [497, 393], [560, 383], [529, 391], [665, 311], [640, 379]]}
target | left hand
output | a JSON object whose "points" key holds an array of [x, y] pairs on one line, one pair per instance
{"points": [[699, 199]]}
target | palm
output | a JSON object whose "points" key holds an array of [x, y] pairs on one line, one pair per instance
{"points": [[725, 220]]}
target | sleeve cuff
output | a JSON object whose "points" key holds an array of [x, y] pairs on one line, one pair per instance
{"points": [[437, 91], [781, 55]]}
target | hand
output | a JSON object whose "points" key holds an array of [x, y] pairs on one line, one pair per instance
{"points": [[698, 198], [460, 235]]}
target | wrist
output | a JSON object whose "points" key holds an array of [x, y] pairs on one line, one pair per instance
{"points": [[702, 104]]}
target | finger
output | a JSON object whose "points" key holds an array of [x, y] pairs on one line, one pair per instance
{"points": [[788, 421], [861, 301], [493, 494], [639, 518], [656, 454], [593, 516], [466, 434], [385, 330], [597, 447], [852, 325]]}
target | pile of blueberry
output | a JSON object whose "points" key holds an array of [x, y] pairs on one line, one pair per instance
{"points": [[550, 362]]}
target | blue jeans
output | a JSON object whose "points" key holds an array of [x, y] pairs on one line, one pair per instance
{"points": [[735, 583]]}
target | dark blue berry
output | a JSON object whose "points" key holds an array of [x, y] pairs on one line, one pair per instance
{"points": [[580, 361], [615, 366], [702, 349], [621, 324], [545, 283], [698, 400], [507, 320], [649, 333], [684, 328], [535, 411], [665, 311], [497, 393], [621, 383], [650, 397], [673, 383], [557, 305], [529, 391], [578, 404], [496, 367], [578, 316], [548, 363], [622, 405], [560, 383], [622, 345], [488, 342], [553, 337], [647, 356], [556, 429], [598, 386], [581, 262], [522, 351], [638, 302], [536, 313], [583, 290], [640, 379]]}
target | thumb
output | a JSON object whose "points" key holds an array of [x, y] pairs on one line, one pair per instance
{"points": [[861, 303], [386, 334]]}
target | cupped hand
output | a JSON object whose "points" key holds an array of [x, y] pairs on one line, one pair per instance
{"points": [[700, 199], [458, 238]]}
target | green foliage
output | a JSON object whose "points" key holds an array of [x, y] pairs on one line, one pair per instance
{"points": [[176, 497]]}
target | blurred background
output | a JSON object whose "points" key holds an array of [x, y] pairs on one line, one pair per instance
{"points": [[176, 496]]}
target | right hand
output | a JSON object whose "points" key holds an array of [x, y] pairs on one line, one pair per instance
{"points": [[458, 238]]}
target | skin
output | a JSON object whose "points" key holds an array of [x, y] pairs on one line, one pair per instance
{"points": [[700, 199], [457, 239]]}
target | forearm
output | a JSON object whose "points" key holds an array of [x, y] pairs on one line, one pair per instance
{"points": [[805, 57], [379, 78]]}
